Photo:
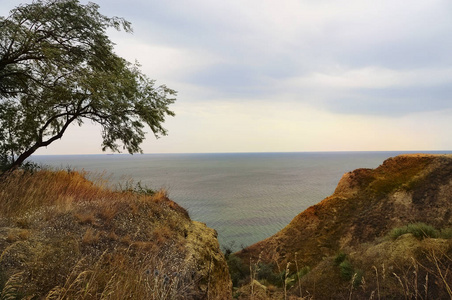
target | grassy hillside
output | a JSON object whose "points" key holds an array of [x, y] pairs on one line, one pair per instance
{"points": [[64, 237], [384, 232]]}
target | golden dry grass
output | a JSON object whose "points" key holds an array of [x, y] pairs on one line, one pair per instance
{"points": [[64, 237]]}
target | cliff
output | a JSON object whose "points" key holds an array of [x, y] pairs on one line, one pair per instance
{"points": [[63, 237], [353, 228]]}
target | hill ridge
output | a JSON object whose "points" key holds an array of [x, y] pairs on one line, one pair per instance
{"points": [[365, 207]]}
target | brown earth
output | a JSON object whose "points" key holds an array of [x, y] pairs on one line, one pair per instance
{"points": [[356, 220]]}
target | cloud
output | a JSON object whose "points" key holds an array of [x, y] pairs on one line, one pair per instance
{"points": [[376, 77], [295, 74], [292, 126], [361, 57], [374, 90], [160, 60]]}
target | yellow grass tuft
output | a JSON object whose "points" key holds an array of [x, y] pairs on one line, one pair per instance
{"points": [[86, 218], [90, 236]]}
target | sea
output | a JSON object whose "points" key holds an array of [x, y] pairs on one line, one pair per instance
{"points": [[245, 197]]}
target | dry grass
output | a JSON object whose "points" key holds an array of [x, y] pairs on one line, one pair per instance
{"points": [[405, 268], [110, 277], [63, 237], [22, 192]]}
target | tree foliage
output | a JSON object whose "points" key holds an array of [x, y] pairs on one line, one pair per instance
{"points": [[58, 67]]}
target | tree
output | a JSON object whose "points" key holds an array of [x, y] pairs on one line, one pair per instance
{"points": [[58, 67]]}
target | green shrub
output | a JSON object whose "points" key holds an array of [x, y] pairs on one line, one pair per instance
{"points": [[227, 250], [346, 269], [399, 231], [304, 271], [358, 278], [266, 272], [422, 230], [237, 269], [418, 230], [340, 257], [446, 233], [138, 188], [31, 167]]}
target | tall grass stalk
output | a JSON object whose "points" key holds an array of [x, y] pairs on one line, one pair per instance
{"points": [[254, 269], [352, 286], [298, 275], [11, 288], [441, 272], [378, 281], [287, 280]]}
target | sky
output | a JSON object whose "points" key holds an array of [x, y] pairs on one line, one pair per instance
{"points": [[288, 75]]}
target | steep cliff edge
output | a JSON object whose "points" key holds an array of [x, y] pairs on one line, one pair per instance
{"points": [[355, 223], [63, 237]]}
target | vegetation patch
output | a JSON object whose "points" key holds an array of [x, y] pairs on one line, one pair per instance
{"points": [[347, 271], [421, 231], [340, 257]]}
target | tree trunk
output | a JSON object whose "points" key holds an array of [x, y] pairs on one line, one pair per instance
{"points": [[19, 161]]}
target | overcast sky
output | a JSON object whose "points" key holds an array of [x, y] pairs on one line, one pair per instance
{"points": [[289, 75]]}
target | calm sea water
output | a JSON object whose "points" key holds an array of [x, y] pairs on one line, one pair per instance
{"points": [[246, 197]]}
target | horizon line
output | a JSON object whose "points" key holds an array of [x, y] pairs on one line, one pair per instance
{"points": [[246, 152]]}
